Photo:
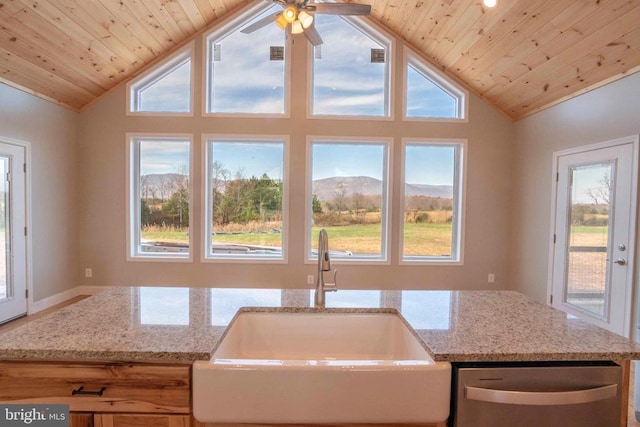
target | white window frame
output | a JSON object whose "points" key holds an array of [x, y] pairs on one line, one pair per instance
{"points": [[133, 199], [447, 84], [235, 23], [383, 258], [459, 203], [156, 74], [374, 31], [207, 256]]}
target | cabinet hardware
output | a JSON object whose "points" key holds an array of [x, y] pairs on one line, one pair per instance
{"points": [[89, 393]]}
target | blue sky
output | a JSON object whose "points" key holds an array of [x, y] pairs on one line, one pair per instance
{"points": [[425, 99], [588, 177], [345, 80], [163, 156], [251, 158], [245, 79], [431, 165], [171, 93], [331, 160], [424, 164]]}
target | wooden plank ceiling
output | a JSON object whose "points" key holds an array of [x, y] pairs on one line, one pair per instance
{"points": [[521, 56]]}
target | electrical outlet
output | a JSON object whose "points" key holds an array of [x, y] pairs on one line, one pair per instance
{"points": [[491, 278], [88, 272], [310, 279]]}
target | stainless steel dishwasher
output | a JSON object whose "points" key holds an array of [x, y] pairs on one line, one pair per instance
{"points": [[562, 394]]}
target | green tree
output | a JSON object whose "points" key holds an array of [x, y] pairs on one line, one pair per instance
{"points": [[176, 208], [316, 206], [145, 213]]}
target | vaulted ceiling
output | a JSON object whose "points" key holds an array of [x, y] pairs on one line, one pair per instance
{"points": [[521, 56]]}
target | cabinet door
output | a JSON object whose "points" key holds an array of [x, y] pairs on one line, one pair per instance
{"points": [[81, 419], [98, 387], [140, 420]]}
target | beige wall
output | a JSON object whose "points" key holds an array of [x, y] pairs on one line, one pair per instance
{"points": [[52, 132], [102, 243], [610, 112]]}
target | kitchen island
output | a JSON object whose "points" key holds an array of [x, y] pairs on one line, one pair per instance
{"points": [[124, 329]]}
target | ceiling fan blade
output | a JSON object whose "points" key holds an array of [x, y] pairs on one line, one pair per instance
{"points": [[260, 23], [313, 36], [340, 8]]}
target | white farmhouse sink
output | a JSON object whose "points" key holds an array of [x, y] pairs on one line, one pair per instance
{"points": [[310, 367]]}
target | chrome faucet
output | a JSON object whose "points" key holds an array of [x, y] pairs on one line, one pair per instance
{"points": [[324, 264]]}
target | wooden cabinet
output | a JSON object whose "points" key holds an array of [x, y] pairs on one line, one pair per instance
{"points": [[103, 394], [141, 420]]}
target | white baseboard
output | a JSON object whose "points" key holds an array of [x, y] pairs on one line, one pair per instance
{"points": [[44, 303]]}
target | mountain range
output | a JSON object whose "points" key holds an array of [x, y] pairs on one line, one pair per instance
{"points": [[325, 189]]}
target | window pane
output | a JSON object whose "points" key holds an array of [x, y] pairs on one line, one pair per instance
{"points": [[345, 80], [242, 77], [349, 198], [163, 190], [427, 99], [430, 202], [246, 180], [170, 93], [587, 266]]}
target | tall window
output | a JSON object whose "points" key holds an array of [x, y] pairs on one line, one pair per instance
{"points": [[432, 201], [165, 89], [428, 95], [349, 198], [246, 72], [246, 182], [350, 69], [159, 197]]}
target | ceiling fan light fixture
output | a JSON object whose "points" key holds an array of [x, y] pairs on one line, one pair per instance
{"points": [[490, 3], [281, 21], [296, 27], [305, 19], [290, 14]]}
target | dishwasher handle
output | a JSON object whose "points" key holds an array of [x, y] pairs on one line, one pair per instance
{"points": [[511, 397]]}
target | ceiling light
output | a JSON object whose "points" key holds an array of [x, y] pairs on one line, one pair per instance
{"points": [[296, 27], [305, 18], [490, 3], [290, 14], [281, 21]]}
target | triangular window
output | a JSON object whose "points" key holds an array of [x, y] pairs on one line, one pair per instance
{"points": [[350, 69], [246, 72], [430, 95], [166, 88]]}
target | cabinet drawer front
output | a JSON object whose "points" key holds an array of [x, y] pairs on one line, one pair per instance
{"points": [[124, 387]]}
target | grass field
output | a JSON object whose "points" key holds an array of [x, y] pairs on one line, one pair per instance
{"points": [[419, 239], [589, 235]]}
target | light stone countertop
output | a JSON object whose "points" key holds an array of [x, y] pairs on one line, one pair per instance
{"points": [[181, 325]]}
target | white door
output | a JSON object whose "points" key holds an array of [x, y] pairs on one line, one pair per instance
{"points": [[13, 255], [592, 258]]}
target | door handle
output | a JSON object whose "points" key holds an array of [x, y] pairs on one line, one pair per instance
{"points": [[510, 397], [620, 261]]}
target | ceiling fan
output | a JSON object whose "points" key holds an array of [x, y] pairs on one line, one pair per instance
{"points": [[298, 16]]}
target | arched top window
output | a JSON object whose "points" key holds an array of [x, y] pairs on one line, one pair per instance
{"points": [[246, 72], [430, 95], [350, 69], [165, 89]]}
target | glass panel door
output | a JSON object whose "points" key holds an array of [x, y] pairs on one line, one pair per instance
{"points": [[594, 229], [13, 247], [6, 290], [587, 270]]}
